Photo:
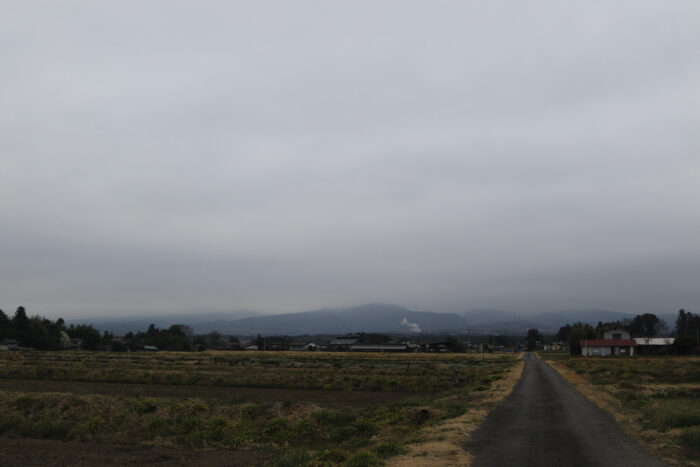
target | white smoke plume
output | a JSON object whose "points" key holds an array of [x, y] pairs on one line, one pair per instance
{"points": [[413, 326]]}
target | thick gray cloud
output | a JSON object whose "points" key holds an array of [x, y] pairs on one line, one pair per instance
{"points": [[286, 155]]}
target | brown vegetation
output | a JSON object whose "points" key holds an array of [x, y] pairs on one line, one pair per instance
{"points": [[250, 404], [441, 444]]}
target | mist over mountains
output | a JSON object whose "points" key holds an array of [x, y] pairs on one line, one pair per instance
{"points": [[374, 317]]}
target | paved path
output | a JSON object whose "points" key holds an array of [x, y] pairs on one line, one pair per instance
{"points": [[545, 421]]}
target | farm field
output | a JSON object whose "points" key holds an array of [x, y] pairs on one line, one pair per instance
{"points": [[262, 408], [657, 399]]}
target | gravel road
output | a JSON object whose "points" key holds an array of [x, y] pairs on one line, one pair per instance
{"points": [[546, 422]]}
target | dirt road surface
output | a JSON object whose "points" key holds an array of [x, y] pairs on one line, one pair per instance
{"points": [[546, 422]]}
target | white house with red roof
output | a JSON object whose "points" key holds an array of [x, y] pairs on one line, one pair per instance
{"points": [[614, 342]]}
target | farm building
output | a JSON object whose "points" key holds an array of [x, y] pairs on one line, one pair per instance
{"points": [[655, 341], [303, 346], [655, 345], [555, 346], [614, 342]]}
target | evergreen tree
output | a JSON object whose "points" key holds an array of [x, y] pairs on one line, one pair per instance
{"points": [[579, 332], [533, 335], [5, 324], [682, 322], [20, 320], [563, 334]]}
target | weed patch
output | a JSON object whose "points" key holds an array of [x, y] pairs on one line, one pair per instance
{"points": [[289, 432], [364, 459], [690, 440]]}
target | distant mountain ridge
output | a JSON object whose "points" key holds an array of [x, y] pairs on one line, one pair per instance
{"points": [[201, 323], [373, 317], [549, 321]]}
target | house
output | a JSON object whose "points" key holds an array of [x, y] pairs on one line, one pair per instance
{"points": [[555, 346], [303, 346], [9, 344], [616, 342], [559, 346]]}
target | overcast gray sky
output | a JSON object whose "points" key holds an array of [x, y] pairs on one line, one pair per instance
{"points": [[286, 155]]}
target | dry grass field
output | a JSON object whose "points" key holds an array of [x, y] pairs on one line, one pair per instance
{"points": [[657, 399], [273, 408]]}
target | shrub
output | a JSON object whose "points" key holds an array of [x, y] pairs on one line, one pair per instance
{"points": [[333, 456], [9, 422], [156, 425], [253, 411], [305, 429], [364, 428], [190, 424], [277, 429], [364, 459], [51, 429], [331, 417], [145, 406], [195, 439], [676, 413], [291, 458], [24, 403], [386, 450], [690, 439], [92, 426], [216, 429], [240, 434]]}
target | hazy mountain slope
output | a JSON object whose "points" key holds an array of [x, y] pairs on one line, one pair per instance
{"points": [[514, 328], [485, 316], [556, 319], [547, 322], [200, 322], [375, 317]]}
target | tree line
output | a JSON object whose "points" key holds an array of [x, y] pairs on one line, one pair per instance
{"points": [[686, 330], [42, 333]]}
